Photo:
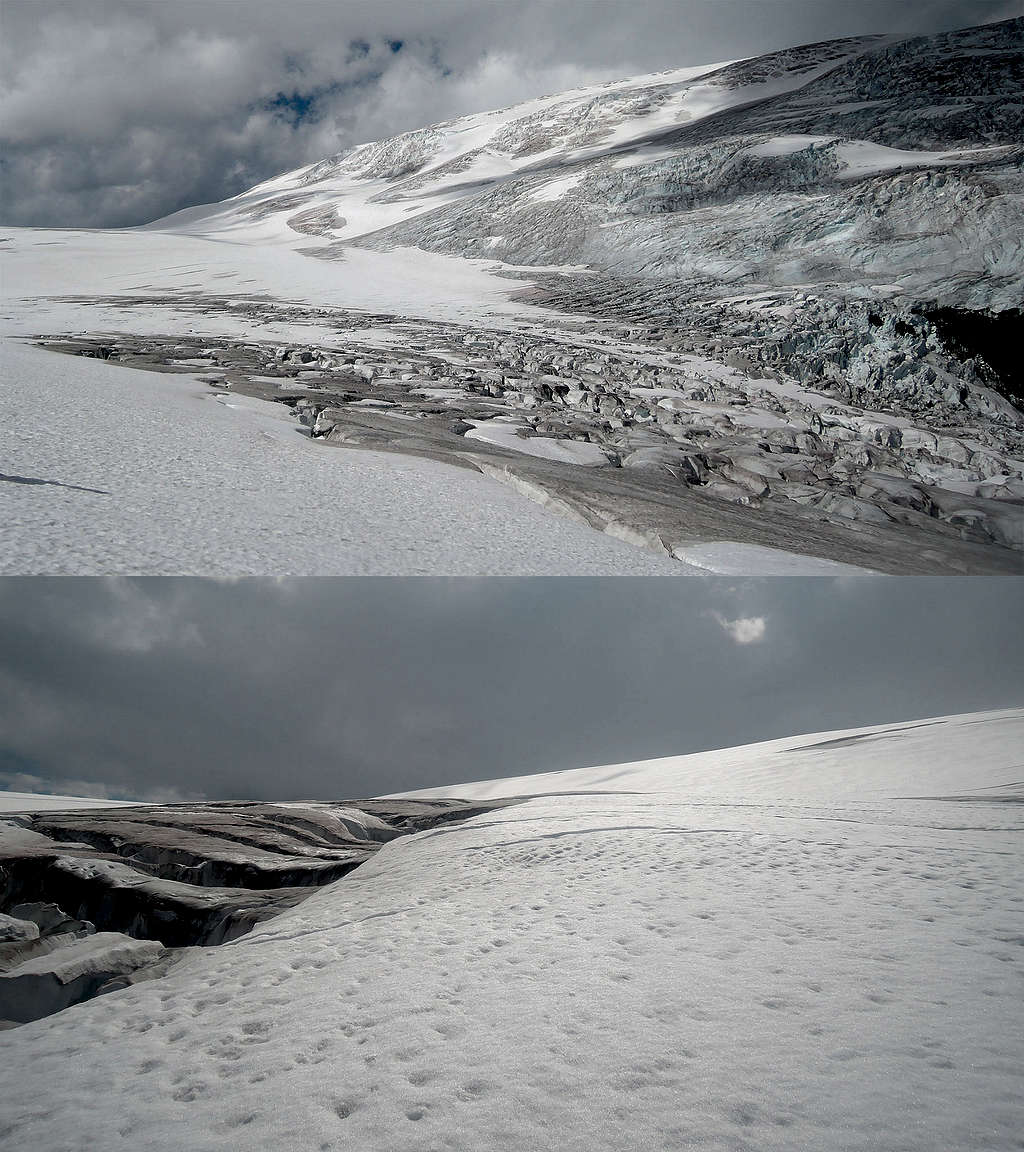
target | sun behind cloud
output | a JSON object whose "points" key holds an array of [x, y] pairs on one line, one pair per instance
{"points": [[744, 630]]}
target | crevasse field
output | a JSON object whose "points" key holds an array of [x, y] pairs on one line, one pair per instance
{"points": [[150, 473], [145, 473], [813, 942]]}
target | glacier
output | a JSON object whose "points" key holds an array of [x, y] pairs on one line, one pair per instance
{"points": [[809, 942], [766, 304]]}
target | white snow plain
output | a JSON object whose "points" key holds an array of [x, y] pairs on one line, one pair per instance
{"points": [[789, 945]]}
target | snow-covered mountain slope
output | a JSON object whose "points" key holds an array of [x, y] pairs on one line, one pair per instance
{"points": [[859, 160], [382, 183], [816, 956], [764, 305]]}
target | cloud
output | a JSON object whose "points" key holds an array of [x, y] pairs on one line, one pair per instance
{"points": [[334, 689], [116, 112], [746, 630]]}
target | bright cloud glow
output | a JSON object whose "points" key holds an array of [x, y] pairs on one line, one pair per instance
{"points": [[745, 630]]}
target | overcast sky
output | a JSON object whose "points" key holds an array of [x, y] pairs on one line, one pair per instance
{"points": [[116, 112], [334, 689]]}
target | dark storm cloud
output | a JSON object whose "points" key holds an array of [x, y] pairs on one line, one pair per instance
{"points": [[115, 112], [169, 689]]}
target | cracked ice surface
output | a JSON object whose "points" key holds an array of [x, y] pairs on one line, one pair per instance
{"points": [[760, 947]]}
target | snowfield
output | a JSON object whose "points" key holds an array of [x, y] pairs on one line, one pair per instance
{"points": [[808, 943], [92, 457]]}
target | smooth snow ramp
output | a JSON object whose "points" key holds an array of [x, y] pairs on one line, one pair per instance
{"points": [[600, 971], [934, 757]]}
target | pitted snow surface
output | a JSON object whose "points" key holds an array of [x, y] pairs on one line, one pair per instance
{"points": [[630, 967]]}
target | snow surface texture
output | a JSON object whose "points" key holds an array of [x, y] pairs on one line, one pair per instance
{"points": [[771, 947], [77, 958], [731, 559], [157, 880]]}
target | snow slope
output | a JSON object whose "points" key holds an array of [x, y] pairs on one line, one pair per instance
{"points": [[167, 477], [383, 183], [782, 946], [40, 802], [939, 756], [782, 169]]}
